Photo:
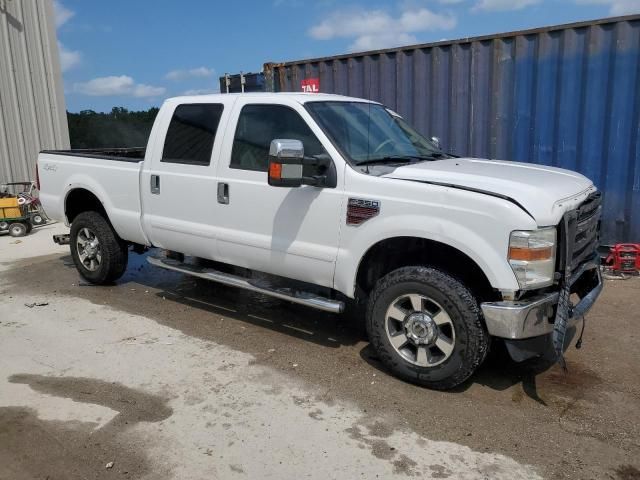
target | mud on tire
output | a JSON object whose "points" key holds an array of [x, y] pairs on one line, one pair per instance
{"points": [[469, 336]]}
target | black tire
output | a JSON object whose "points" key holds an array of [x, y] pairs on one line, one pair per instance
{"points": [[114, 251], [18, 229], [471, 339], [29, 228]]}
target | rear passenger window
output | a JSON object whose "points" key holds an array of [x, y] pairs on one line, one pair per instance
{"points": [[191, 133], [258, 125]]}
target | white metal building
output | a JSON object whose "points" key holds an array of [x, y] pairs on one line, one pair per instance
{"points": [[32, 107]]}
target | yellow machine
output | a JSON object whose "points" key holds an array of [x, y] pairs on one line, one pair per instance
{"points": [[13, 217]]}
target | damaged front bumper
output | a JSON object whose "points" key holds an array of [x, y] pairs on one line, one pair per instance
{"points": [[533, 318]]}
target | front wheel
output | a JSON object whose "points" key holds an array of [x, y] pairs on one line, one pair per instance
{"points": [[18, 229], [426, 327], [99, 254]]}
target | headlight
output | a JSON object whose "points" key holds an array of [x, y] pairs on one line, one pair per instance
{"points": [[532, 256]]}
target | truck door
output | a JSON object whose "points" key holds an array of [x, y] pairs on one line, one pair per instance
{"points": [[178, 182], [291, 232]]}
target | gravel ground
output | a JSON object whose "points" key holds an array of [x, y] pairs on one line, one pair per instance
{"points": [[168, 377]]}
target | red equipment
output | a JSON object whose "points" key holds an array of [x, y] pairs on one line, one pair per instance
{"points": [[625, 257]]}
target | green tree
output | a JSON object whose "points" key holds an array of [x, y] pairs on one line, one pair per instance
{"points": [[119, 128]]}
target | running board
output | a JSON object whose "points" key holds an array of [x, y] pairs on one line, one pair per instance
{"points": [[295, 296]]}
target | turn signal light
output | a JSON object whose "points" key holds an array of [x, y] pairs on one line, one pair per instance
{"points": [[275, 170], [530, 254], [532, 257]]}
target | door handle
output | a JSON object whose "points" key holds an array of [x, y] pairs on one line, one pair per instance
{"points": [[223, 193], [155, 184]]}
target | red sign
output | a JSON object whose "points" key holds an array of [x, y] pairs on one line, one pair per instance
{"points": [[310, 85]]}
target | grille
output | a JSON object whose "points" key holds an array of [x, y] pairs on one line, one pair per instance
{"points": [[584, 224]]}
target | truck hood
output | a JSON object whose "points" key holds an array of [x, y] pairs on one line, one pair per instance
{"points": [[546, 193]]}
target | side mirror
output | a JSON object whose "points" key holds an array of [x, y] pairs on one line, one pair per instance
{"points": [[286, 159], [436, 142], [287, 162]]}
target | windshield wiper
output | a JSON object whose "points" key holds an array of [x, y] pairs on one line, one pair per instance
{"points": [[383, 160], [402, 159]]}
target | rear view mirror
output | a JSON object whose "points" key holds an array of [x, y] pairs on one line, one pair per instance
{"points": [[286, 159]]}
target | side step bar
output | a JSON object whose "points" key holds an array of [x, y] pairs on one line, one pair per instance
{"points": [[295, 296]]}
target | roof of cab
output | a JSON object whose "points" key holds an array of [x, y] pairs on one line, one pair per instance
{"points": [[296, 96]]}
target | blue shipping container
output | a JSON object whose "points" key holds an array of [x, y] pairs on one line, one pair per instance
{"points": [[567, 96]]}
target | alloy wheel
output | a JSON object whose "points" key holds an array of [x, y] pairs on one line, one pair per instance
{"points": [[89, 250], [420, 330]]}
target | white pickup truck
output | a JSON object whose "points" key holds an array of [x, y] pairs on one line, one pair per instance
{"points": [[342, 197]]}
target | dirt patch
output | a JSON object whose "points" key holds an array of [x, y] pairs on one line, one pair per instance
{"points": [[380, 448], [439, 471], [133, 405], [627, 472], [34, 448], [380, 429], [577, 378], [506, 408], [404, 465]]}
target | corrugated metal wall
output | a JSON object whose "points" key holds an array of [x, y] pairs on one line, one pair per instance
{"points": [[567, 96], [32, 107]]}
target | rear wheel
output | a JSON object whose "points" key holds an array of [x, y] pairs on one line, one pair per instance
{"points": [[426, 327], [98, 253], [18, 229]]}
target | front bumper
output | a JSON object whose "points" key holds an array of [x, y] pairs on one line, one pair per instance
{"points": [[533, 317]]}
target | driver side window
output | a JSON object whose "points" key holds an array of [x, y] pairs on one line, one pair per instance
{"points": [[258, 125]]}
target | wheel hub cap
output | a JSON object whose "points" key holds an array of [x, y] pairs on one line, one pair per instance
{"points": [[420, 328], [89, 251]]}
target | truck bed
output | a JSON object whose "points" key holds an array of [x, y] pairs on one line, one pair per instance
{"points": [[134, 155], [111, 175]]}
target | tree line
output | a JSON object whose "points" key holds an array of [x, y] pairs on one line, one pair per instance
{"points": [[119, 128]]}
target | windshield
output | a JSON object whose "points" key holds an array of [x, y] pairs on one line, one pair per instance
{"points": [[366, 132]]}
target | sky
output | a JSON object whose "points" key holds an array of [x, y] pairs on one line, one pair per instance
{"points": [[136, 53]]}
